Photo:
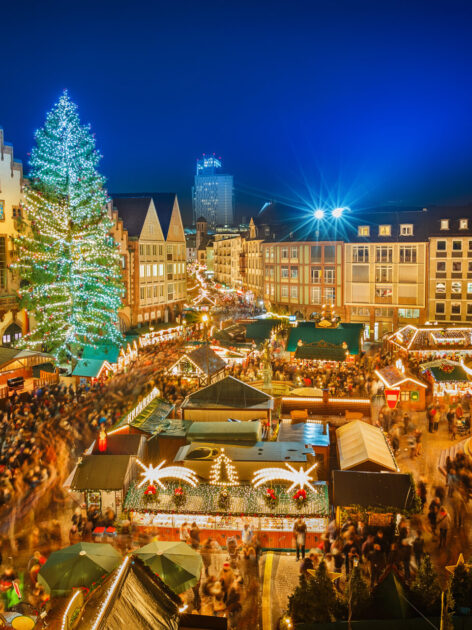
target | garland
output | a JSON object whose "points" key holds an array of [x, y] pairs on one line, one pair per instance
{"points": [[179, 497], [300, 498]]}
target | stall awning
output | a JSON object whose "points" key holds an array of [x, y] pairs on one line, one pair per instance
{"points": [[372, 489], [309, 333], [360, 444], [449, 374], [151, 418], [261, 329], [204, 359]]}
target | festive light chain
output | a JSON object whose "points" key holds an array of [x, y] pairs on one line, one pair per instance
{"points": [[154, 475], [216, 471], [297, 477]]}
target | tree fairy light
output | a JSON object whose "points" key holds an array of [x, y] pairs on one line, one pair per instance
{"points": [[154, 475], [67, 261], [223, 471], [300, 478]]}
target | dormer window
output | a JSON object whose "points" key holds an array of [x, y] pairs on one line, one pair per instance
{"points": [[406, 229], [385, 230], [363, 230], [463, 224], [444, 224]]}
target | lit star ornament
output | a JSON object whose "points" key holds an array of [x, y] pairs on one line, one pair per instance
{"points": [[299, 477], [154, 476], [460, 560]]}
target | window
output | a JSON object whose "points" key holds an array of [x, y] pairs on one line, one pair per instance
{"points": [[360, 253], [149, 292], [330, 294], [441, 246], [409, 313], [329, 275], [363, 230], [441, 266], [169, 271], [383, 253], [470, 267], [154, 250], [383, 313], [383, 292], [284, 252], [16, 214], [161, 290], [456, 266], [316, 253], [440, 308], [169, 252], [456, 246], [3, 263], [266, 253], [272, 290], [469, 287], [316, 275], [463, 224], [141, 250], [284, 272], [170, 292], [383, 273], [316, 295], [408, 254], [456, 308], [444, 224], [272, 253], [284, 291], [469, 309], [470, 246], [360, 311], [161, 269], [123, 261], [149, 270], [294, 252], [440, 287], [385, 230], [2, 211], [406, 229], [160, 250], [294, 292], [141, 293], [456, 287], [148, 250], [360, 273], [330, 254], [294, 272], [142, 271]]}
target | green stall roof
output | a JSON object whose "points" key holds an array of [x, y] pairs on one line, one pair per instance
{"points": [[309, 333], [225, 431], [457, 374], [261, 329]]}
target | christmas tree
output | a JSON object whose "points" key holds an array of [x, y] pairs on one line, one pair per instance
{"points": [[66, 258], [314, 600], [223, 471], [356, 594], [425, 589]]}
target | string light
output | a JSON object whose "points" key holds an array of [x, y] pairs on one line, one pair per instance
{"points": [[154, 475], [227, 478], [64, 254], [299, 477]]}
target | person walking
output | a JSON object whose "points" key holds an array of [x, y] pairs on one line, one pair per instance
{"points": [[418, 548], [299, 532], [195, 536], [444, 522]]}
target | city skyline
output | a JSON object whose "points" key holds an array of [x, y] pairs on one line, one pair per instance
{"points": [[295, 121]]}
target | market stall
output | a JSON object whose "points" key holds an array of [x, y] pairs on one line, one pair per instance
{"points": [[448, 378], [412, 389], [364, 447], [201, 365], [432, 340]]}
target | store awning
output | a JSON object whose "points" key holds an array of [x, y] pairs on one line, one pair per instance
{"points": [[310, 334], [372, 489], [363, 445]]}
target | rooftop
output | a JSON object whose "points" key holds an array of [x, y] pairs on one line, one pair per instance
{"points": [[359, 443], [101, 472], [229, 393]]}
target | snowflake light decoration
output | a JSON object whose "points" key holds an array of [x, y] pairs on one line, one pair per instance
{"points": [[299, 477], [154, 475]]}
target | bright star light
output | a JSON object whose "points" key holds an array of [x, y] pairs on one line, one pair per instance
{"points": [[337, 212], [319, 214], [154, 475], [299, 477]]}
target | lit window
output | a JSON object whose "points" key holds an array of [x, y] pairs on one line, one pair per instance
{"points": [[294, 273], [363, 230], [149, 270], [408, 254], [360, 253], [329, 295], [383, 273], [469, 288], [383, 292], [142, 271], [463, 224], [284, 272], [444, 224], [383, 254], [154, 270], [385, 230], [316, 275], [406, 229], [440, 287], [329, 275], [409, 313], [294, 252], [316, 295], [294, 292], [456, 287]]}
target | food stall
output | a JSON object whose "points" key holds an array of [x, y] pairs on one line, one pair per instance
{"points": [[448, 378], [432, 340], [412, 389]]}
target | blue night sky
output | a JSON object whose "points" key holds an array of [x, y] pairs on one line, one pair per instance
{"points": [[333, 102]]}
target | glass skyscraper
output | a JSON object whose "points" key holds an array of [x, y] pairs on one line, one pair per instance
{"points": [[212, 192]]}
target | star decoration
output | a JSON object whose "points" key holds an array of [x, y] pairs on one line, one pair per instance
{"points": [[154, 475], [460, 560], [299, 477]]}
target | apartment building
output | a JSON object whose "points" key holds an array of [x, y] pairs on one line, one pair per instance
{"points": [[227, 249], [450, 264], [251, 264], [385, 270], [13, 321], [156, 276]]}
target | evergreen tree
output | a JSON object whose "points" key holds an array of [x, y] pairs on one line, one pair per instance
{"points": [[68, 263], [357, 594], [314, 600], [461, 586], [425, 588]]}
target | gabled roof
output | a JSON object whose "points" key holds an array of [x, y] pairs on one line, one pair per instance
{"points": [[372, 489], [229, 393], [391, 376], [132, 209], [101, 472], [359, 443], [206, 360], [310, 333], [90, 368]]}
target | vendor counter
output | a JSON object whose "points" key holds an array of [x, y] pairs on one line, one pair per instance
{"points": [[275, 532]]}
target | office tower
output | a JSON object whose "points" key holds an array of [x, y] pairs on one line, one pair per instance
{"points": [[212, 192]]}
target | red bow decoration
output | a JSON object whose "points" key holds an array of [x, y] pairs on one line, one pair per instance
{"points": [[270, 494], [300, 495], [150, 489]]}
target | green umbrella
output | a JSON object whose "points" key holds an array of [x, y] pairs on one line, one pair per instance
{"points": [[176, 563], [78, 565]]}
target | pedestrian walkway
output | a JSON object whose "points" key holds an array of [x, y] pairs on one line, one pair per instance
{"points": [[280, 573]]}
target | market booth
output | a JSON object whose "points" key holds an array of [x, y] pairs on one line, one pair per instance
{"points": [[364, 447], [447, 378], [201, 364], [412, 389], [309, 341], [433, 340]]}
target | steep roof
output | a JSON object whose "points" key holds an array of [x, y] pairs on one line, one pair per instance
{"points": [[229, 393], [132, 209], [207, 360], [359, 443]]}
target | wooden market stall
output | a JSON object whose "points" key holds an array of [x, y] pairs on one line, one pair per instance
{"points": [[364, 447], [201, 364], [432, 340], [447, 378], [412, 389]]}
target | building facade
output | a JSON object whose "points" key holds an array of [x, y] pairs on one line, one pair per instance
{"points": [[227, 250], [13, 322], [156, 275], [212, 193], [450, 264], [386, 263], [251, 264]]}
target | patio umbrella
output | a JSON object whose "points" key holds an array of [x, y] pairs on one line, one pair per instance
{"points": [[78, 565], [176, 563]]}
